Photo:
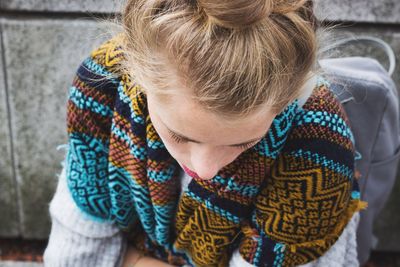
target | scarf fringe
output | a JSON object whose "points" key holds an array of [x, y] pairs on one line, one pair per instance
{"points": [[362, 205]]}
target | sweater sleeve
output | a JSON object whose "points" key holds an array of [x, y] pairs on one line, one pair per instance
{"points": [[76, 240], [81, 211], [311, 194], [90, 109]]}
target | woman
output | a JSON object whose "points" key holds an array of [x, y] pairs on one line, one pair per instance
{"points": [[204, 135]]}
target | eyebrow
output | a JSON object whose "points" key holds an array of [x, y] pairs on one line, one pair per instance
{"points": [[198, 142]]}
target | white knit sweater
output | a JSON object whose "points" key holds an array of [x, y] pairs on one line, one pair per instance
{"points": [[78, 240]]}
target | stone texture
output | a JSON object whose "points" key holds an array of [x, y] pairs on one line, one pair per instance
{"points": [[41, 57], [386, 11], [20, 264], [9, 221], [383, 11], [97, 6]]}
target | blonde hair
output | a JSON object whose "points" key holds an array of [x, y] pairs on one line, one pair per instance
{"points": [[234, 55]]}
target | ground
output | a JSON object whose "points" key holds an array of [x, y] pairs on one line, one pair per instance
{"points": [[28, 253]]}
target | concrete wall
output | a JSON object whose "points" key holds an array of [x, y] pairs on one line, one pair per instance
{"points": [[42, 43]]}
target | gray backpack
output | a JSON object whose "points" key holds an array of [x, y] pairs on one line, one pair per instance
{"points": [[370, 99]]}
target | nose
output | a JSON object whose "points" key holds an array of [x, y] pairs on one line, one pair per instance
{"points": [[206, 162]]}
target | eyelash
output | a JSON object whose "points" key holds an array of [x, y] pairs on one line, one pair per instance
{"points": [[176, 138], [179, 140]]}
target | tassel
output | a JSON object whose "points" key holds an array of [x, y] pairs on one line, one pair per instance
{"points": [[319, 242], [362, 205]]}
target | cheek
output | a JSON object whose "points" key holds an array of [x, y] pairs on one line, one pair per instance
{"points": [[230, 155], [179, 152]]}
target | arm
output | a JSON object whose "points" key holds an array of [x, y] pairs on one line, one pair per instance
{"points": [[84, 224], [85, 242], [133, 258], [83, 232], [76, 240]]}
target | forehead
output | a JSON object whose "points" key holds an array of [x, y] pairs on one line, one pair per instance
{"points": [[180, 113]]}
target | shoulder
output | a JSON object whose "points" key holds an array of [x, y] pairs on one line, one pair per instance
{"points": [[94, 87], [320, 103], [109, 54], [101, 69], [322, 125], [93, 92]]}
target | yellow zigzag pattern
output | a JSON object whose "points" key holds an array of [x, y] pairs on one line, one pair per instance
{"points": [[294, 215], [205, 233]]}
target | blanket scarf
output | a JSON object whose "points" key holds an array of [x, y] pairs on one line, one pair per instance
{"points": [[283, 202]]}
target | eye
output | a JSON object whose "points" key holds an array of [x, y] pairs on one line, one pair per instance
{"points": [[179, 139], [176, 138]]}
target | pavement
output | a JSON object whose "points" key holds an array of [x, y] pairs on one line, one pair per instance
{"points": [[20, 264]]}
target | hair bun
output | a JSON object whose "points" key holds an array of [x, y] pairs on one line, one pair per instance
{"points": [[236, 13]]}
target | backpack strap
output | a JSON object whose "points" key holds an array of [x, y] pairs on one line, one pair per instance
{"points": [[368, 40]]}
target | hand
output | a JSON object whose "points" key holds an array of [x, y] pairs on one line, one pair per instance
{"points": [[134, 258], [131, 257]]}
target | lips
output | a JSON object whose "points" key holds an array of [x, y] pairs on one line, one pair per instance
{"points": [[190, 172]]}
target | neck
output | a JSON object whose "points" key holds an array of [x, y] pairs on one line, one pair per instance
{"points": [[307, 88]]}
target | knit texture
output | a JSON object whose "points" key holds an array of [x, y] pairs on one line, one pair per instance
{"points": [[88, 243], [78, 241], [283, 202]]}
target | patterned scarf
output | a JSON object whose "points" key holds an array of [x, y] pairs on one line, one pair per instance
{"points": [[283, 202]]}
